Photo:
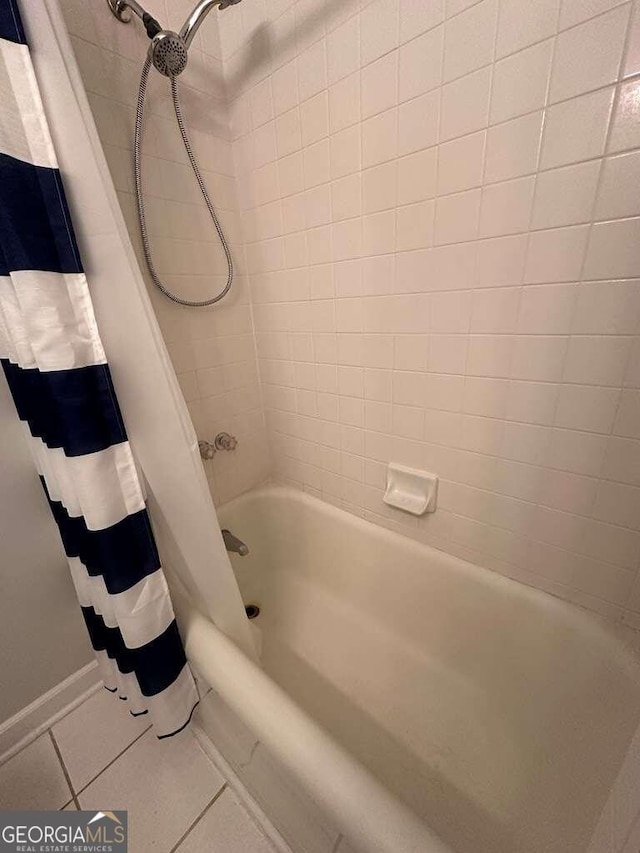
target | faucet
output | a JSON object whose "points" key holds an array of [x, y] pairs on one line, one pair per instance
{"points": [[234, 545]]}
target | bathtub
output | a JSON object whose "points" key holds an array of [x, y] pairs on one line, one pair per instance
{"points": [[425, 704]]}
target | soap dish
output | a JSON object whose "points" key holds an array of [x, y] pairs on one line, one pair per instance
{"points": [[411, 490]]}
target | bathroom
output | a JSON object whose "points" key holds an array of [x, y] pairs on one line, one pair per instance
{"points": [[388, 463]]}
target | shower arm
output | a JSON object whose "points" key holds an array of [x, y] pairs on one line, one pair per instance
{"points": [[119, 9], [192, 24], [189, 28]]}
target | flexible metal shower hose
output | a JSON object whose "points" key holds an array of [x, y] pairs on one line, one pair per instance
{"points": [[203, 189]]}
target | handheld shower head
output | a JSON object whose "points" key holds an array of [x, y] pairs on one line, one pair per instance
{"points": [[168, 53], [168, 50]]}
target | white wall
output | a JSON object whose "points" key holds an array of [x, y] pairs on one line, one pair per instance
{"points": [[43, 639], [440, 230], [440, 211], [212, 349]]}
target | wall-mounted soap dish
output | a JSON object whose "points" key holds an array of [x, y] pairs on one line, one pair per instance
{"points": [[411, 490]]}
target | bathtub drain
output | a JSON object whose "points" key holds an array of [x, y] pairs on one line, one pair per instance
{"points": [[252, 610]]}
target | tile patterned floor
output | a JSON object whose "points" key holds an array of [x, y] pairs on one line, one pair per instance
{"points": [[99, 757]]}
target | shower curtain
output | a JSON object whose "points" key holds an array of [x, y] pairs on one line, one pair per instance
{"points": [[55, 366]]}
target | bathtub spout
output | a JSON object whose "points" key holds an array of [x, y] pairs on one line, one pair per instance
{"points": [[234, 545]]}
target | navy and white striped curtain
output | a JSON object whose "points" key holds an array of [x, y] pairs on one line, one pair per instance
{"points": [[56, 369]]}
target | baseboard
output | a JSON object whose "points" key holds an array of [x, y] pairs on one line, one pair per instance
{"points": [[29, 723], [240, 790]]}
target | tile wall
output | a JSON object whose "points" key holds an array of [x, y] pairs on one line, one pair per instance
{"points": [[440, 207], [212, 349]]}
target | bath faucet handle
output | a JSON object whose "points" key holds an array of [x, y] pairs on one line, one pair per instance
{"points": [[225, 441], [207, 450]]}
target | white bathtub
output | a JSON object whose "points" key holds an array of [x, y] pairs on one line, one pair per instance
{"points": [[497, 714]]}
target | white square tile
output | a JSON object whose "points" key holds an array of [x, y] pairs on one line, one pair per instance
{"points": [[607, 308], [347, 239], [485, 397], [501, 260], [94, 734], [447, 353], [420, 67], [164, 785], [556, 255], [312, 70], [469, 39], [344, 103], [576, 130], [627, 422], [417, 17], [284, 86], [414, 226], [597, 360], [531, 402], [565, 196], [226, 828], [577, 452], [618, 195], [614, 250], [587, 408], [316, 163], [490, 355], [407, 422], [453, 266], [618, 503], [343, 50], [465, 105], [622, 461], [506, 207], [345, 151], [575, 11], [291, 174], [539, 358], [450, 312], [414, 270], [379, 27], [523, 23], [346, 200], [378, 278], [417, 176], [460, 163], [408, 388], [314, 118], [34, 779], [380, 138], [512, 148], [520, 82], [379, 187], [495, 310], [632, 377], [632, 60], [418, 122], [547, 309], [588, 56], [457, 217], [288, 133], [379, 83], [625, 131]]}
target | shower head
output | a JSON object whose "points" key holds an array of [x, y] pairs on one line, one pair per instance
{"points": [[168, 52]]}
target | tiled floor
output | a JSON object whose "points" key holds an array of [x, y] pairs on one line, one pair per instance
{"points": [[99, 757]]}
